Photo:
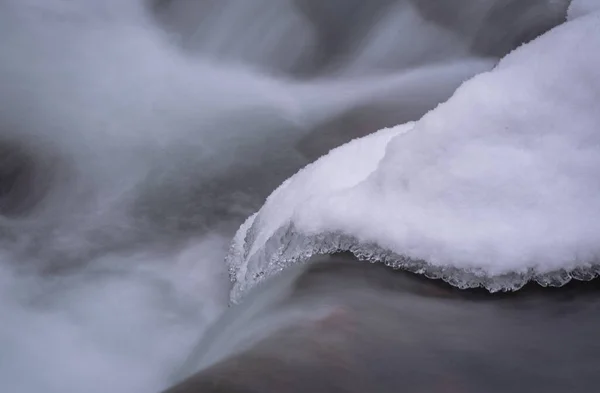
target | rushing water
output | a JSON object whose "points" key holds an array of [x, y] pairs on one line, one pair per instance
{"points": [[341, 325], [135, 137]]}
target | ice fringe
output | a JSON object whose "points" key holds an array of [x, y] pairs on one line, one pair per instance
{"points": [[288, 246]]}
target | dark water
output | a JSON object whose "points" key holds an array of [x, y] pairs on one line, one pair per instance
{"points": [[343, 325]]}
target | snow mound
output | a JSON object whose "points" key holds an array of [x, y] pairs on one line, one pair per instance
{"points": [[582, 7], [494, 188]]}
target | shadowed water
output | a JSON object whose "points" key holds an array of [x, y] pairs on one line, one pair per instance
{"points": [[342, 325]]}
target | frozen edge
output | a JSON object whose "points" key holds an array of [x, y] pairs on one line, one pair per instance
{"points": [[288, 246]]}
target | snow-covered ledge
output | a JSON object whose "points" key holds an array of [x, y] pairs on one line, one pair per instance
{"points": [[498, 186]]}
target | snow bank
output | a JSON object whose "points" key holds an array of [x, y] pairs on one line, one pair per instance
{"points": [[582, 7], [495, 187]]}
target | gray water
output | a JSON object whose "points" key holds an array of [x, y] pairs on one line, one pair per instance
{"points": [[135, 137], [342, 325]]}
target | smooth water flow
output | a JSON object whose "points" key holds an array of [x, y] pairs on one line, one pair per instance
{"points": [[136, 136], [337, 324]]}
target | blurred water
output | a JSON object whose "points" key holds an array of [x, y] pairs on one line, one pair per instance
{"points": [[339, 324], [135, 136]]}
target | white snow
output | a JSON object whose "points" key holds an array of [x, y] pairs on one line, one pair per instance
{"points": [[503, 178], [582, 7]]}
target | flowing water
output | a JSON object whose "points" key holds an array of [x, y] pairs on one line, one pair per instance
{"points": [[338, 324], [136, 136]]}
